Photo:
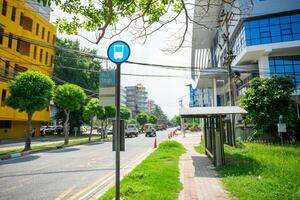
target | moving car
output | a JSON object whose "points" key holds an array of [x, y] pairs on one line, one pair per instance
{"points": [[131, 130], [149, 130]]}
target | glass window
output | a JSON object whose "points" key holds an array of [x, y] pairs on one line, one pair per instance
{"points": [[254, 24], [272, 69], [286, 37], [275, 30], [265, 40], [1, 35], [37, 29], [265, 34], [279, 69], [9, 41], [274, 21], [272, 30], [255, 33], [286, 31], [285, 19], [295, 18], [296, 59], [289, 69], [264, 22], [297, 68], [13, 13], [288, 60], [4, 7], [278, 61], [296, 27], [271, 61]]}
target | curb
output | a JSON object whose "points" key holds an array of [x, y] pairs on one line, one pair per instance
{"points": [[17, 155]]}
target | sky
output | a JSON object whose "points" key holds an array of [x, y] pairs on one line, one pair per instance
{"points": [[166, 92]]}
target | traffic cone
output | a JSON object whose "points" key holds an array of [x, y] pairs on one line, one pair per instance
{"points": [[155, 144]]}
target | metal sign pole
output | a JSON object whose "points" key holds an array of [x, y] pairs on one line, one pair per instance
{"points": [[117, 133], [118, 52]]}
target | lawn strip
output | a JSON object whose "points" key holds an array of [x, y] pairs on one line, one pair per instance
{"points": [[262, 171], [157, 177]]}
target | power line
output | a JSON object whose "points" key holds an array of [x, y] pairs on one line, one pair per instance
{"points": [[43, 44]]}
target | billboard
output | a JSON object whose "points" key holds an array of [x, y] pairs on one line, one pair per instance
{"points": [[107, 78]]}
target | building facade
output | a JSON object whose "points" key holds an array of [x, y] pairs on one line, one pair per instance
{"points": [[151, 105], [26, 43], [136, 99], [256, 38]]}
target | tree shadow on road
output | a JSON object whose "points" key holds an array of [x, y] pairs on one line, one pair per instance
{"points": [[63, 150], [19, 160], [57, 172]]}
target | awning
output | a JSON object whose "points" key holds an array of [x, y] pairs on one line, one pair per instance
{"points": [[208, 111]]}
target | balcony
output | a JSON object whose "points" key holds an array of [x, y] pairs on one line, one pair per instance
{"points": [[267, 36]]}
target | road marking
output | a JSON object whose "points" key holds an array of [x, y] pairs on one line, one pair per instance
{"points": [[78, 194], [65, 193], [97, 191]]}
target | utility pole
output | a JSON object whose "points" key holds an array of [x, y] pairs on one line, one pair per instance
{"points": [[227, 63]]}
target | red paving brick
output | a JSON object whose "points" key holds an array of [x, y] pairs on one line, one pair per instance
{"points": [[198, 176]]}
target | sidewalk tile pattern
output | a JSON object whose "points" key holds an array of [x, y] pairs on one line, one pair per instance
{"points": [[198, 176]]}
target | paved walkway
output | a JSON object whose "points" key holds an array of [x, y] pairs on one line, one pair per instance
{"points": [[199, 178]]}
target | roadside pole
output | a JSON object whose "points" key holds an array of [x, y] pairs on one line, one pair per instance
{"points": [[118, 52], [117, 134]]}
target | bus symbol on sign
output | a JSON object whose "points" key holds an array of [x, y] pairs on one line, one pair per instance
{"points": [[118, 51]]}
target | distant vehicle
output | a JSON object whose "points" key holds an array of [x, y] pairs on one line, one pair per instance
{"points": [[149, 130], [109, 130], [163, 126], [157, 127], [51, 130], [131, 130]]}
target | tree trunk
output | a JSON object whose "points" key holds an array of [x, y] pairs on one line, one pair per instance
{"points": [[102, 129], [66, 127], [105, 129], [28, 133], [90, 136]]}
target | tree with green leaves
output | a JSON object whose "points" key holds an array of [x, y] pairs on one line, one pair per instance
{"points": [[90, 111], [30, 92], [69, 97], [83, 67], [143, 17], [131, 121], [159, 113], [266, 100], [152, 119], [125, 113], [142, 118]]}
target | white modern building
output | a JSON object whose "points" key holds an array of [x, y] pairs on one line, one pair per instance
{"points": [[257, 37], [136, 99]]}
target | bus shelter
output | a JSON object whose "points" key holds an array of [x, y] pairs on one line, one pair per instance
{"points": [[215, 128]]}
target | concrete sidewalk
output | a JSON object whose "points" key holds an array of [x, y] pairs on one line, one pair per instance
{"points": [[197, 173]]}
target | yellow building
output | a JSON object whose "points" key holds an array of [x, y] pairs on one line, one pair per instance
{"points": [[26, 43]]}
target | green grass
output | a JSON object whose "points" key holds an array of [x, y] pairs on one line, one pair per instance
{"points": [[200, 148], [157, 177], [47, 146], [261, 171]]}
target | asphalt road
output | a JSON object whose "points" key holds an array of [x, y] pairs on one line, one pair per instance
{"points": [[69, 173]]}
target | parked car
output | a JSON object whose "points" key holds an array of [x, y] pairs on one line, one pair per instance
{"points": [[131, 130], [47, 130], [149, 130], [59, 129]]}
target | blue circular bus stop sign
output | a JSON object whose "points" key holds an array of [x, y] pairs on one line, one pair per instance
{"points": [[118, 52]]}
